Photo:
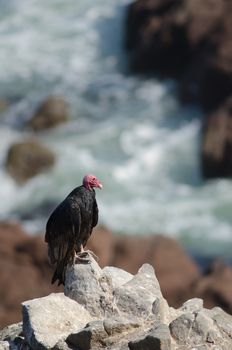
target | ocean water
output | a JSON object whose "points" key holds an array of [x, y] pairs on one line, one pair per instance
{"points": [[129, 131]]}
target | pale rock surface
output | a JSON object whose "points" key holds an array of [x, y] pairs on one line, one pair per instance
{"points": [[10, 332], [111, 309], [91, 287], [137, 296], [48, 320], [158, 338], [118, 276], [4, 345]]}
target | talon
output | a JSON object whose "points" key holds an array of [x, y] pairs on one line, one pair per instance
{"points": [[83, 256], [79, 259]]}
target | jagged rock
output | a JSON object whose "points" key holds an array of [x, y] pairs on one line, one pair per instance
{"points": [[139, 317], [158, 338], [194, 328], [4, 345], [27, 159], [202, 327], [92, 335], [133, 298], [10, 332], [192, 305], [53, 111], [48, 320], [82, 279], [137, 296], [223, 320], [98, 334], [175, 269], [118, 325], [62, 345], [118, 276]]}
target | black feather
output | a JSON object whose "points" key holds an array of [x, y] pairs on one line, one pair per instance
{"points": [[70, 226]]}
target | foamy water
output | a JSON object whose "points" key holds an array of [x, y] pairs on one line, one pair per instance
{"points": [[129, 131]]}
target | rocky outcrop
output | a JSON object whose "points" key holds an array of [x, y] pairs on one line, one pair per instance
{"points": [[24, 270], [175, 270], [216, 148], [27, 159], [190, 40], [215, 286], [127, 314], [187, 39], [25, 258], [50, 319], [52, 112]]}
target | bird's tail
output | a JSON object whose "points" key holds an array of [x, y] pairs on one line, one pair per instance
{"points": [[61, 256], [59, 273]]}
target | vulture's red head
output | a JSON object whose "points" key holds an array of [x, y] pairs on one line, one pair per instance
{"points": [[91, 181]]}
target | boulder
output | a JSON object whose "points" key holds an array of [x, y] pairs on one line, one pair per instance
{"points": [[27, 159], [176, 271], [4, 345], [9, 333], [186, 39], [82, 279], [92, 336], [158, 338], [200, 328], [25, 258], [50, 319], [118, 276], [52, 112], [24, 270], [4, 103], [216, 149], [57, 322], [136, 297], [133, 298], [215, 286]]}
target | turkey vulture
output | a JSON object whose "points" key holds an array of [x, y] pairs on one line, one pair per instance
{"points": [[70, 226]]}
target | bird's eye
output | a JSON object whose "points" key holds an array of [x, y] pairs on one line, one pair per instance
{"points": [[94, 178]]}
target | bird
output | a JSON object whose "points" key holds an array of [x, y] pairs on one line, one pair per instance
{"points": [[70, 226]]}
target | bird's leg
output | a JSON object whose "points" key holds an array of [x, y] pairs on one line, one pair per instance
{"points": [[83, 255]]}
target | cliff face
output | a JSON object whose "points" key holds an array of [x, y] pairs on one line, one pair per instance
{"points": [[190, 40], [110, 308]]}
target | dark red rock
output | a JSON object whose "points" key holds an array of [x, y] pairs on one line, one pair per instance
{"points": [[175, 270], [189, 40], [215, 287], [27, 159], [52, 112], [102, 243], [24, 271], [216, 151]]}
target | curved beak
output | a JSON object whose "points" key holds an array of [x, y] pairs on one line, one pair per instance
{"points": [[100, 186]]}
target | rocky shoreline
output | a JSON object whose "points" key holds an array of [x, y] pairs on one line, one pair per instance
{"points": [[113, 309], [25, 272], [191, 42]]}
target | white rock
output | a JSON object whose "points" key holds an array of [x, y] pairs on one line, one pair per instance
{"points": [[48, 320], [4, 345], [118, 276], [137, 297], [91, 287]]}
